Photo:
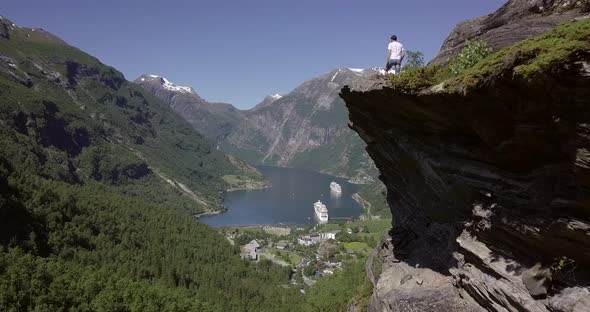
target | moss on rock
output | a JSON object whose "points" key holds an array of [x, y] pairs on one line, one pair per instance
{"points": [[525, 60]]}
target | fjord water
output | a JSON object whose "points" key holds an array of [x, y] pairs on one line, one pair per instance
{"points": [[289, 201]]}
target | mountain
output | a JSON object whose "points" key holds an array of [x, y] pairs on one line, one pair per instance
{"points": [[268, 100], [213, 120], [513, 22], [306, 128], [100, 183], [488, 179]]}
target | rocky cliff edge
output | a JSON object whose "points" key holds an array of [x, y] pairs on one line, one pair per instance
{"points": [[488, 178]]}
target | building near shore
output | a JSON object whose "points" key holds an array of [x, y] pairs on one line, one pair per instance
{"points": [[310, 239], [316, 238], [250, 250], [329, 235]]}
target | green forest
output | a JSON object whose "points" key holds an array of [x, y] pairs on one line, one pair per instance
{"points": [[93, 215], [99, 187]]}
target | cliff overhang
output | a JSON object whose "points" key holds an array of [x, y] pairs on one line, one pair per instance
{"points": [[488, 178]]}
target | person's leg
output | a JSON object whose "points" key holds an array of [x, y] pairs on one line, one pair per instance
{"points": [[388, 66], [397, 66]]}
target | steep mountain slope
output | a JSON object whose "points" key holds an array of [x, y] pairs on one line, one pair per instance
{"points": [[267, 101], [213, 120], [66, 101], [99, 185], [488, 181], [306, 128], [515, 21]]}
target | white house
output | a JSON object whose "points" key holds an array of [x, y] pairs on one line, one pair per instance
{"points": [[329, 235]]}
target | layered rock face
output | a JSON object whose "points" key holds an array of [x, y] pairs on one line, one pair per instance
{"points": [[515, 21], [489, 192]]}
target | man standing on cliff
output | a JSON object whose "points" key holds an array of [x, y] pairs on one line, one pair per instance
{"points": [[395, 56]]}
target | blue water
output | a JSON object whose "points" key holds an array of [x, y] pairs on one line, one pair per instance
{"points": [[288, 202]]}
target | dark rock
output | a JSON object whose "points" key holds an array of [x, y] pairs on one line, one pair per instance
{"points": [[515, 21], [482, 186]]}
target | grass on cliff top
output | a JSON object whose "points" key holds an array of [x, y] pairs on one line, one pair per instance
{"points": [[525, 60]]}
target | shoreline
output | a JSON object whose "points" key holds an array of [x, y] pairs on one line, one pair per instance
{"points": [[223, 210], [264, 187], [355, 181], [365, 204], [210, 213], [355, 196]]}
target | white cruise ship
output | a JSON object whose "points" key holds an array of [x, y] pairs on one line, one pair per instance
{"points": [[321, 212], [335, 187]]}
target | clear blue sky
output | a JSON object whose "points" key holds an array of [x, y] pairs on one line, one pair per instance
{"points": [[239, 51]]}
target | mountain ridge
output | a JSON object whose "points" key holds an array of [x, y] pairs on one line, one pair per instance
{"points": [[256, 134]]}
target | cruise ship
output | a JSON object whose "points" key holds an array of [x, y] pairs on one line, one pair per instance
{"points": [[321, 212], [335, 187]]}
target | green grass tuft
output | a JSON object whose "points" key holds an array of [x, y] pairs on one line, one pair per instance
{"points": [[524, 60], [416, 79]]}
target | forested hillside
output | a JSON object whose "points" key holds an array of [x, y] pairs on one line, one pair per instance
{"points": [[99, 184]]}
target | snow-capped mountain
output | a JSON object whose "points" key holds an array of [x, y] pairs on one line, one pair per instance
{"points": [[165, 83], [213, 120], [267, 101], [292, 130]]}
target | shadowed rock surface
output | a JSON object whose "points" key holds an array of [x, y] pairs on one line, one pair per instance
{"points": [[489, 190], [515, 21]]}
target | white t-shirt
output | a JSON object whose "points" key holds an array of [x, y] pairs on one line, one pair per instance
{"points": [[397, 50]]}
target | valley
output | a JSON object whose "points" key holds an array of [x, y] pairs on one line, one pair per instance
{"points": [[306, 128], [102, 180], [461, 185]]}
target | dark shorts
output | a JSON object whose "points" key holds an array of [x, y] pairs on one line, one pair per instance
{"points": [[392, 63]]}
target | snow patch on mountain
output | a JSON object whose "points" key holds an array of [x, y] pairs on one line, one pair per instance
{"points": [[336, 74], [168, 85], [357, 70], [367, 71]]}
